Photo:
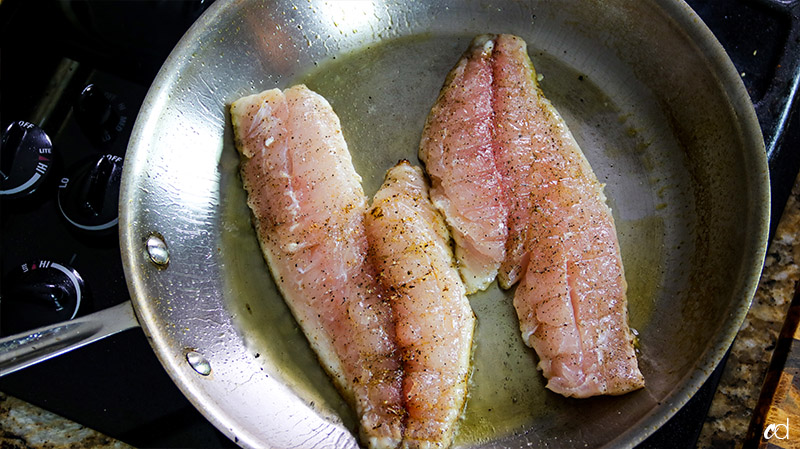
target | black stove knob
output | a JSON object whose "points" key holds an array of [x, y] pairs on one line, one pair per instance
{"points": [[39, 293], [89, 197], [25, 160], [101, 115]]}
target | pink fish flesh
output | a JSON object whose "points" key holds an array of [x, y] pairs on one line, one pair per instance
{"points": [[308, 209], [409, 244], [560, 242], [571, 301], [457, 150]]}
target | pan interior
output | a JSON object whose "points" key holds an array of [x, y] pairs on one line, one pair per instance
{"points": [[382, 97], [675, 183]]}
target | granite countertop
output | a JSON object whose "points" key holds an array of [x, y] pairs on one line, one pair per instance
{"points": [[25, 426]]}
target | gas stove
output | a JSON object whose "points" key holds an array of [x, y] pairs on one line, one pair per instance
{"points": [[74, 75]]}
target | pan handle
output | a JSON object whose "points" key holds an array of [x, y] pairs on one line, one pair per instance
{"points": [[28, 348]]}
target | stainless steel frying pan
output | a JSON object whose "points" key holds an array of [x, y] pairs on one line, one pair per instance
{"points": [[649, 94]]}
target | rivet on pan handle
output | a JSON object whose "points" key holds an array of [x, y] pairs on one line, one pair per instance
{"points": [[157, 250], [198, 362]]}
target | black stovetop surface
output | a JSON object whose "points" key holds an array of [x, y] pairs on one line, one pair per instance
{"points": [[117, 385]]}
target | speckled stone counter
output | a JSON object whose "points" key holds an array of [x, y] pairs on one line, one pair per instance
{"points": [[24, 426], [738, 392]]}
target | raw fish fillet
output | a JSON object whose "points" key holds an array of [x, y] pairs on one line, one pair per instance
{"points": [[571, 300], [457, 150], [560, 238], [522, 125], [308, 209], [409, 244]]}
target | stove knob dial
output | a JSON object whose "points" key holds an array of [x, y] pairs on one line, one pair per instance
{"points": [[101, 115], [25, 161], [39, 293], [89, 198]]}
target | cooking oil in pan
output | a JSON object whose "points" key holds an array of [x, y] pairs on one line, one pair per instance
{"points": [[382, 94]]}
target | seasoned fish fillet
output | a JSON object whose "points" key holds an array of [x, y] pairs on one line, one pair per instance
{"points": [[571, 300], [409, 244], [521, 126], [560, 238], [308, 209], [457, 150]]}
